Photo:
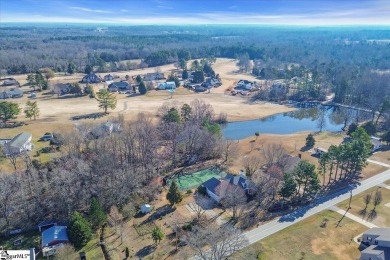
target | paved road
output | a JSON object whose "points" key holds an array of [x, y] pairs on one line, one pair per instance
{"points": [[324, 203]]}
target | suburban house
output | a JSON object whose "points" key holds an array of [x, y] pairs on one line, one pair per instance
{"points": [[53, 238], [319, 151], [376, 143], [378, 241], [153, 76], [217, 189], [11, 93], [119, 86], [91, 78], [166, 85], [246, 84], [212, 83], [291, 162], [19, 144]]}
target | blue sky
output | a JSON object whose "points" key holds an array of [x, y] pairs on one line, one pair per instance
{"points": [[290, 12]]}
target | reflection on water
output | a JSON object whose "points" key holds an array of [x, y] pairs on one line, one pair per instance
{"points": [[330, 118]]}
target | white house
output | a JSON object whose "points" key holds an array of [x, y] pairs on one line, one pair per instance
{"points": [[19, 144], [166, 85], [246, 84]]}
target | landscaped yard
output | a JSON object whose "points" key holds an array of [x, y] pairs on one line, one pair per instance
{"points": [[382, 217], [308, 240], [29, 240], [189, 181]]}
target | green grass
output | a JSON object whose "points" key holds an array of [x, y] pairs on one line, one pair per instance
{"points": [[195, 179], [308, 240], [92, 250], [382, 217]]}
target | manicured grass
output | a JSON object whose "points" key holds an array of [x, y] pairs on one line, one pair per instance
{"points": [[308, 240], [92, 250], [195, 179], [382, 217]]}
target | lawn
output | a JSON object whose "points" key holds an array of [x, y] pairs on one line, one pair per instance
{"points": [[195, 179], [308, 240], [29, 240], [382, 217]]}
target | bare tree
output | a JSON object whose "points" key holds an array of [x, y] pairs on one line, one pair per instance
{"points": [[66, 252], [233, 197], [321, 121], [230, 149], [200, 204], [377, 198], [275, 153], [251, 164], [213, 243], [115, 219]]}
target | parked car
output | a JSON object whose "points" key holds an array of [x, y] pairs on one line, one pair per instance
{"points": [[47, 137]]}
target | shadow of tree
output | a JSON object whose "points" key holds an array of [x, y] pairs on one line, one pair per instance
{"points": [[160, 212], [146, 250], [363, 213]]}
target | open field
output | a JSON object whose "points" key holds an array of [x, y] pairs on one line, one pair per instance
{"points": [[382, 217], [308, 240], [382, 155]]}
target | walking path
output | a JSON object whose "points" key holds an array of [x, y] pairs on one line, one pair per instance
{"points": [[353, 217], [379, 163]]}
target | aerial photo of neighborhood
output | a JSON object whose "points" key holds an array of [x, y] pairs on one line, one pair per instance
{"points": [[199, 130]]}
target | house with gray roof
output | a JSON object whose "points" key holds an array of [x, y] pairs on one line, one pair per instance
{"points": [[119, 86], [378, 241], [166, 85], [91, 78], [19, 144], [11, 93]]}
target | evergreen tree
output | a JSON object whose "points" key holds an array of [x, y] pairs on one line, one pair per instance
{"points": [[186, 111], [142, 88], [71, 68], [96, 215], [289, 186], [351, 128], [174, 196], [310, 141], [198, 76], [79, 231], [174, 79], [31, 110], [31, 80], [386, 137], [172, 116], [138, 79], [369, 127], [306, 178], [106, 100], [88, 69], [157, 235], [184, 75]]}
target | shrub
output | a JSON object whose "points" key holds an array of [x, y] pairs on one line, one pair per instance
{"points": [[202, 190]]}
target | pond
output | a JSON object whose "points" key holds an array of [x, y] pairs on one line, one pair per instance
{"points": [[329, 118]]}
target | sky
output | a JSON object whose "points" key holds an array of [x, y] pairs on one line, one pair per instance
{"points": [[271, 12]]}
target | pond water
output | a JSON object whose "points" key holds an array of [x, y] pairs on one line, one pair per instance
{"points": [[303, 119]]}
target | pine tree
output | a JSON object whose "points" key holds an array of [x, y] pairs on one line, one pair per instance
{"points": [[142, 88], [96, 214], [79, 231], [174, 196], [31, 110], [157, 235], [106, 100], [289, 186], [310, 141]]}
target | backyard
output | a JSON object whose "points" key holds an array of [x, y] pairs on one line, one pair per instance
{"points": [[310, 239]]}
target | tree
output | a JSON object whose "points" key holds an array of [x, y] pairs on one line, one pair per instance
{"points": [[66, 252], [257, 134], [186, 111], [310, 141], [106, 100], [174, 79], [127, 252], [386, 137], [232, 197], [184, 75], [49, 73], [31, 80], [71, 68], [138, 79], [142, 88], [198, 76], [183, 64], [321, 121], [157, 235], [8, 111], [31, 110], [88, 69], [306, 178], [289, 186], [244, 62], [172, 116], [352, 128], [369, 127], [79, 231], [96, 215], [174, 196], [377, 198], [216, 243]]}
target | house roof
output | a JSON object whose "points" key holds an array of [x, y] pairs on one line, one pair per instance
{"points": [[19, 140], [239, 181], [54, 233], [291, 162], [120, 84], [375, 141], [383, 232], [212, 184], [373, 250]]}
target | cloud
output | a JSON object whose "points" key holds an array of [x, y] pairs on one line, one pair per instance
{"points": [[164, 7], [124, 10], [89, 10]]}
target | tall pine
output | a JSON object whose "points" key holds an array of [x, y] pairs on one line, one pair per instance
{"points": [[174, 196], [96, 215], [79, 231]]}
